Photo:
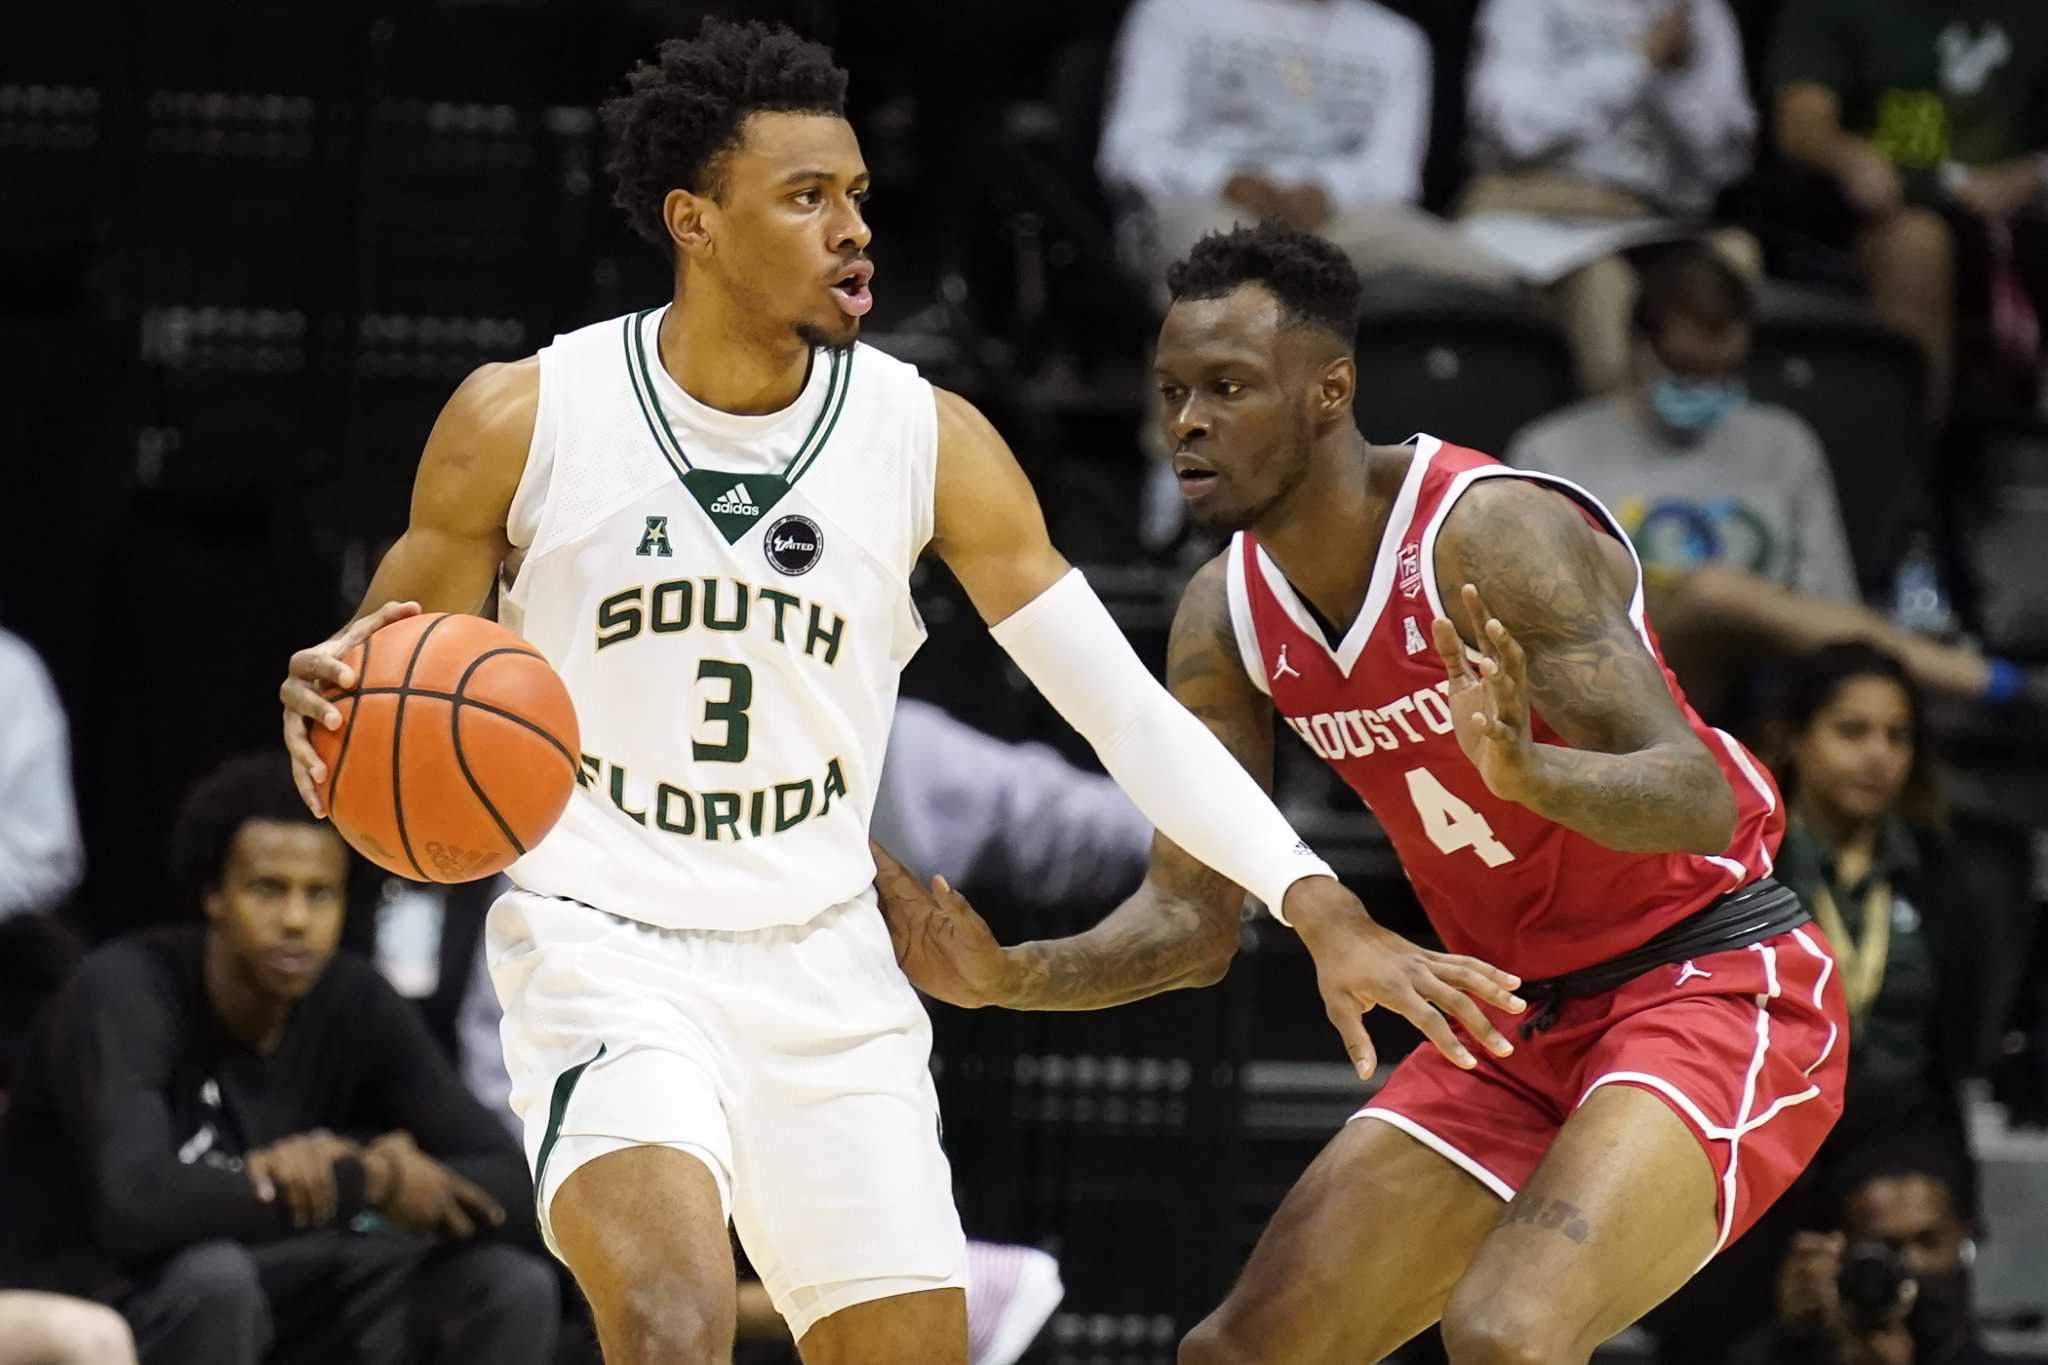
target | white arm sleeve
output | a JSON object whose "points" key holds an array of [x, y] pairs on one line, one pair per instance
{"points": [[1176, 772]]}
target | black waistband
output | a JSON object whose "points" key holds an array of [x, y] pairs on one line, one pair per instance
{"points": [[1763, 909]]}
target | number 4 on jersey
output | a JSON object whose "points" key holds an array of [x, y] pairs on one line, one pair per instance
{"points": [[1450, 823]]}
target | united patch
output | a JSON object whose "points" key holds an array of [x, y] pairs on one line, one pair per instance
{"points": [[793, 545]]}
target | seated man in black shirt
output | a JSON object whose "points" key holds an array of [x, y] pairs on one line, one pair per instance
{"points": [[250, 1145]]}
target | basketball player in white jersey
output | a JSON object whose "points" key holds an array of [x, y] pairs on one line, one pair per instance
{"points": [[705, 516]]}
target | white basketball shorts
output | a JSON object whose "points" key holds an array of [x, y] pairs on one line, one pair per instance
{"points": [[793, 1062]]}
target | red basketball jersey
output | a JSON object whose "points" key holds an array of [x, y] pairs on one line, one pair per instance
{"points": [[1497, 880]]}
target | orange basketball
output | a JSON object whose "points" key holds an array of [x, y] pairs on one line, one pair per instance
{"points": [[457, 749]]}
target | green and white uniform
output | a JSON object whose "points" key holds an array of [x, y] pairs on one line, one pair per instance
{"points": [[692, 958]]}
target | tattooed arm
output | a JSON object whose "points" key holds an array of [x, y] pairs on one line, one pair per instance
{"points": [[1545, 597], [1180, 927]]}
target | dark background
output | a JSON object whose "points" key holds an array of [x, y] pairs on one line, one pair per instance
{"points": [[248, 247]]}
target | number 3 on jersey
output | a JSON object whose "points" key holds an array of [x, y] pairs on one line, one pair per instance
{"points": [[729, 711], [1451, 824]]}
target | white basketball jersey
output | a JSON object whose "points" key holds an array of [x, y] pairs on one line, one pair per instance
{"points": [[728, 600]]}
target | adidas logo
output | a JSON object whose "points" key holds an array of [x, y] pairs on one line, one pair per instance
{"points": [[737, 502]]}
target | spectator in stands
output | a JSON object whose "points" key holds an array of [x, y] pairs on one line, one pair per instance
{"points": [[1888, 1282], [977, 810], [1864, 849], [1597, 125], [1315, 112], [1695, 471], [53, 1329], [1719, 623], [41, 858], [249, 1143], [1915, 110]]}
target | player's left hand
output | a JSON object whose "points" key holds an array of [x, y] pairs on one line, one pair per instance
{"points": [[1489, 706], [943, 946]]}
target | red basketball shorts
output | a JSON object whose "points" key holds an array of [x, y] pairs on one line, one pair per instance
{"points": [[1748, 1047]]}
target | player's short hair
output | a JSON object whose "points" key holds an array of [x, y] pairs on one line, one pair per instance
{"points": [[1693, 281], [255, 786], [683, 111], [1945, 1163], [1313, 280]]}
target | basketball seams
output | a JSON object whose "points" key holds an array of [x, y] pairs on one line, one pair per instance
{"points": [[457, 664], [397, 736], [462, 760], [521, 721]]}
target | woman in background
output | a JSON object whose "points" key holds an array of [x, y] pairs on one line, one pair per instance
{"points": [[1864, 847]]}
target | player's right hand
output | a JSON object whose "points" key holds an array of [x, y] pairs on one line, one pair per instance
{"points": [[313, 671], [1361, 966]]}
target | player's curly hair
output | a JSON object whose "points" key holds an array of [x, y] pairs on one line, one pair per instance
{"points": [[1312, 278], [683, 111], [255, 786]]}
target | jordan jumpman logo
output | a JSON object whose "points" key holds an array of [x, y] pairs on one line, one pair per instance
{"points": [[1686, 972], [1283, 669]]}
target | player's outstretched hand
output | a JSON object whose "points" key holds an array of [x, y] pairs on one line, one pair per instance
{"points": [[943, 946], [311, 672], [1361, 966], [1489, 706]]}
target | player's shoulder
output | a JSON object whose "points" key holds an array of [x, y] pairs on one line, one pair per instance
{"points": [[486, 429], [963, 427], [1494, 514], [499, 394]]}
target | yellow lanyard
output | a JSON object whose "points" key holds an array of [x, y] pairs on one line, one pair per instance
{"points": [[1862, 958]]}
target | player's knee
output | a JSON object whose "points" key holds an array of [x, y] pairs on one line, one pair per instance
{"points": [[1499, 1329], [667, 1324]]}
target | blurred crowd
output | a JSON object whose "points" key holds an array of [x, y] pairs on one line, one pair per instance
{"points": [[273, 1127]]}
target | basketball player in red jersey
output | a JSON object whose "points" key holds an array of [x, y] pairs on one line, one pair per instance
{"points": [[1465, 644]]}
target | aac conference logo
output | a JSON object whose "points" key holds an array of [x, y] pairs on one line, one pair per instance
{"points": [[793, 545]]}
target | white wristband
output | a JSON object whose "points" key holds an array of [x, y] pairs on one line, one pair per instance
{"points": [[1183, 779]]}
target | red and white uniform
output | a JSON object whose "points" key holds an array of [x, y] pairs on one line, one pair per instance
{"points": [[1747, 1046]]}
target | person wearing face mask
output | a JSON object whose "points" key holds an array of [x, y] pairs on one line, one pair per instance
{"points": [[1887, 1282], [1697, 472]]}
